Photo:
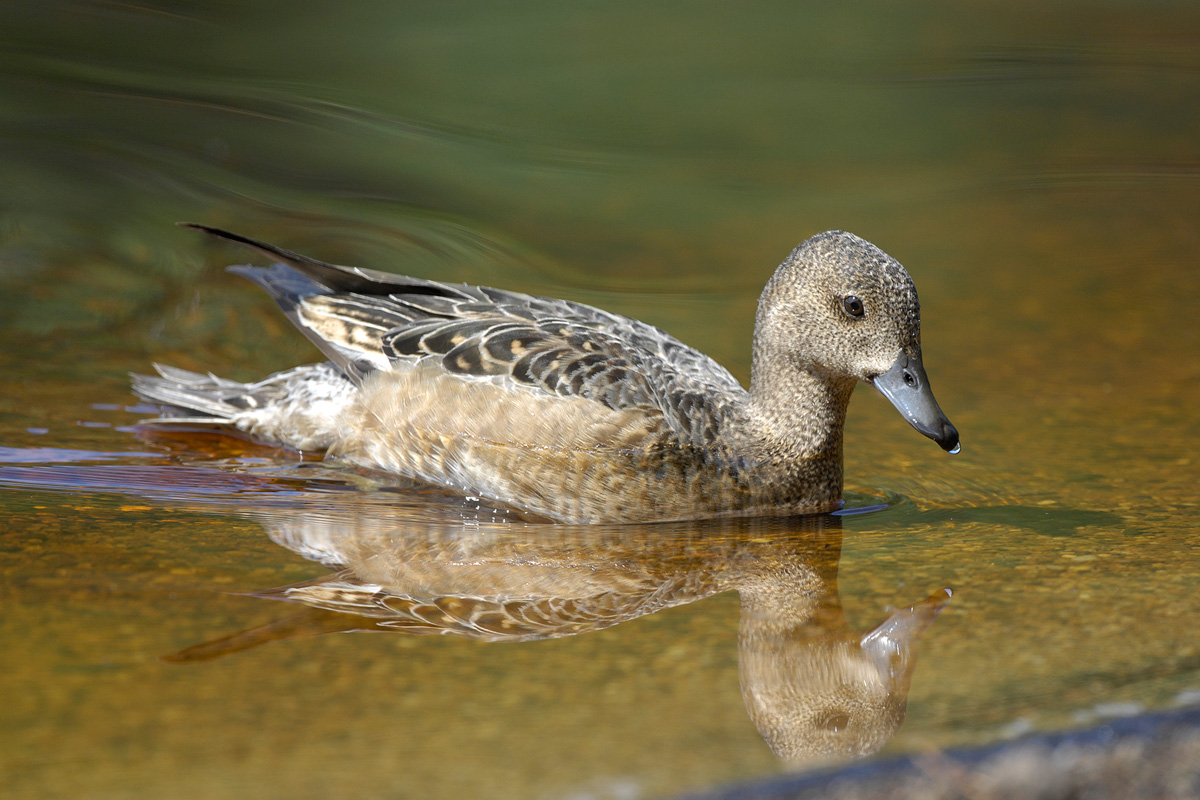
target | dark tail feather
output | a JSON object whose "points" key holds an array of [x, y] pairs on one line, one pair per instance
{"points": [[300, 262], [332, 277]]}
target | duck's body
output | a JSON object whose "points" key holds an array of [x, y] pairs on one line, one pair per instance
{"points": [[571, 412]]}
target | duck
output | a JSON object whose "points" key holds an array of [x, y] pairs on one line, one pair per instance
{"points": [[568, 413]]}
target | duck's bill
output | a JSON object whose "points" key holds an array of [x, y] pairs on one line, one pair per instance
{"points": [[906, 386]]}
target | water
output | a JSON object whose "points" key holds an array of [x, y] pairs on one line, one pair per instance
{"points": [[1034, 167]]}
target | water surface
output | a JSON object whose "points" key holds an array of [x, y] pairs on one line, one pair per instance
{"points": [[1033, 167]]}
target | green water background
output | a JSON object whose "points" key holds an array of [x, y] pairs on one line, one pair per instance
{"points": [[1034, 166]]}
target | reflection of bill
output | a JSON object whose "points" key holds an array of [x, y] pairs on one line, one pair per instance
{"points": [[815, 690]]}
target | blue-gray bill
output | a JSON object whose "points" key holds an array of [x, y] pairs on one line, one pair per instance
{"points": [[907, 387]]}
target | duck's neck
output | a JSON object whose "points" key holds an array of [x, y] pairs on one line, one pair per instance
{"points": [[798, 418]]}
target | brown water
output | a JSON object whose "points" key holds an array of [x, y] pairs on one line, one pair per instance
{"points": [[1035, 169]]}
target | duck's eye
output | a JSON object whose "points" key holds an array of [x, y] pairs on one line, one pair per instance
{"points": [[835, 721], [854, 307]]}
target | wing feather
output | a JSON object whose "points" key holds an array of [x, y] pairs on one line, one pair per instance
{"points": [[366, 320]]}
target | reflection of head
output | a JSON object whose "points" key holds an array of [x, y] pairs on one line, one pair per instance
{"points": [[820, 694]]}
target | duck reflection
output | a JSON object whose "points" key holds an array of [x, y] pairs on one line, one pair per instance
{"points": [[815, 689]]}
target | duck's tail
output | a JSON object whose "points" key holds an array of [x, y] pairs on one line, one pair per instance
{"points": [[191, 397], [299, 408]]}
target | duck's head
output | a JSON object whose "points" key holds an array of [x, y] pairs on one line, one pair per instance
{"points": [[842, 309]]}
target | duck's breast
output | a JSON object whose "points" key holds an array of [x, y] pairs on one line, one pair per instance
{"points": [[565, 457]]}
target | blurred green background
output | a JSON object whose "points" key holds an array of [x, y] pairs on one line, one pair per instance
{"points": [[1034, 165]]}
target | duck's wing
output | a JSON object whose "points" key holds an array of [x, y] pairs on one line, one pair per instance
{"points": [[519, 617], [365, 320]]}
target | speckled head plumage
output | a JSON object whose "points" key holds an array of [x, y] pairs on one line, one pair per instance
{"points": [[805, 306]]}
